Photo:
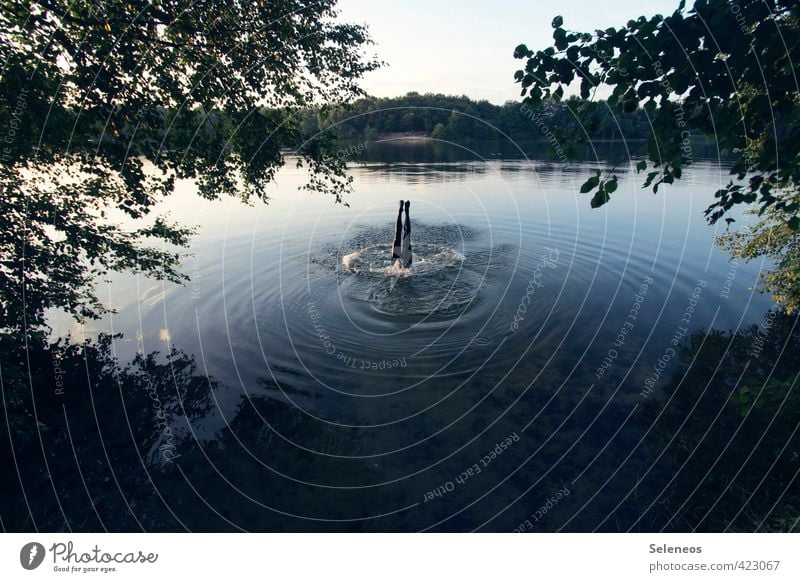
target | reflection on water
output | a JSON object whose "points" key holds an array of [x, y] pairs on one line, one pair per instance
{"points": [[299, 383], [117, 451], [393, 154]]}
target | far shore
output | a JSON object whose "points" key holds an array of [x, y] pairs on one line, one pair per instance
{"points": [[402, 136], [414, 137]]}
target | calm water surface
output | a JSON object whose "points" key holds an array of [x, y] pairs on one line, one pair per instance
{"points": [[506, 370]]}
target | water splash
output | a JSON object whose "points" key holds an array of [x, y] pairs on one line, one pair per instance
{"points": [[444, 282], [376, 259]]}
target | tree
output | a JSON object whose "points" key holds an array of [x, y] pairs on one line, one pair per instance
{"points": [[772, 238], [481, 120], [106, 104], [726, 69], [726, 428]]}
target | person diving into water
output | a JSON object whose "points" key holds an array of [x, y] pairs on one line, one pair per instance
{"points": [[401, 250]]}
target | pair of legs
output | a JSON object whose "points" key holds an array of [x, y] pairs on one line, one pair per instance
{"points": [[401, 250]]}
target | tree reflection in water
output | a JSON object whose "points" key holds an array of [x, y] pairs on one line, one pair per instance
{"points": [[727, 425], [118, 450], [93, 444]]}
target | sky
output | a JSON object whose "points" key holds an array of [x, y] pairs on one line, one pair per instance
{"points": [[465, 47]]}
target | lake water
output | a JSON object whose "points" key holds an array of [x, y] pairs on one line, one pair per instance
{"points": [[499, 383]]}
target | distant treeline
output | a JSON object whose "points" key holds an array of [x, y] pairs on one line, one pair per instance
{"points": [[457, 118]]}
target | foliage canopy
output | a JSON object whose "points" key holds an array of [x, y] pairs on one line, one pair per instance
{"points": [[106, 104], [725, 69]]}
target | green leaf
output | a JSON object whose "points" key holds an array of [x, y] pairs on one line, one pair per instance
{"points": [[560, 36], [611, 185], [794, 223], [641, 166], [650, 177], [573, 53], [590, 184], [600, 198], [586, 87], [557, 22]]}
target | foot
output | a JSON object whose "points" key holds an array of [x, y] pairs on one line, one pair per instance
{"points": [[401, 205], [408, 203]]}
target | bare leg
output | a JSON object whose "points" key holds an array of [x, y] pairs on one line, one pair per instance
{"points": [[406, 254], [398, 235]]}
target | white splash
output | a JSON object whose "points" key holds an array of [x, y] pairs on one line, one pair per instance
{"points": [[428, 259], [347, 260]]}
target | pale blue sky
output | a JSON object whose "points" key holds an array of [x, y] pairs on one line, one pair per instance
{"points": [[466, 46]]}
